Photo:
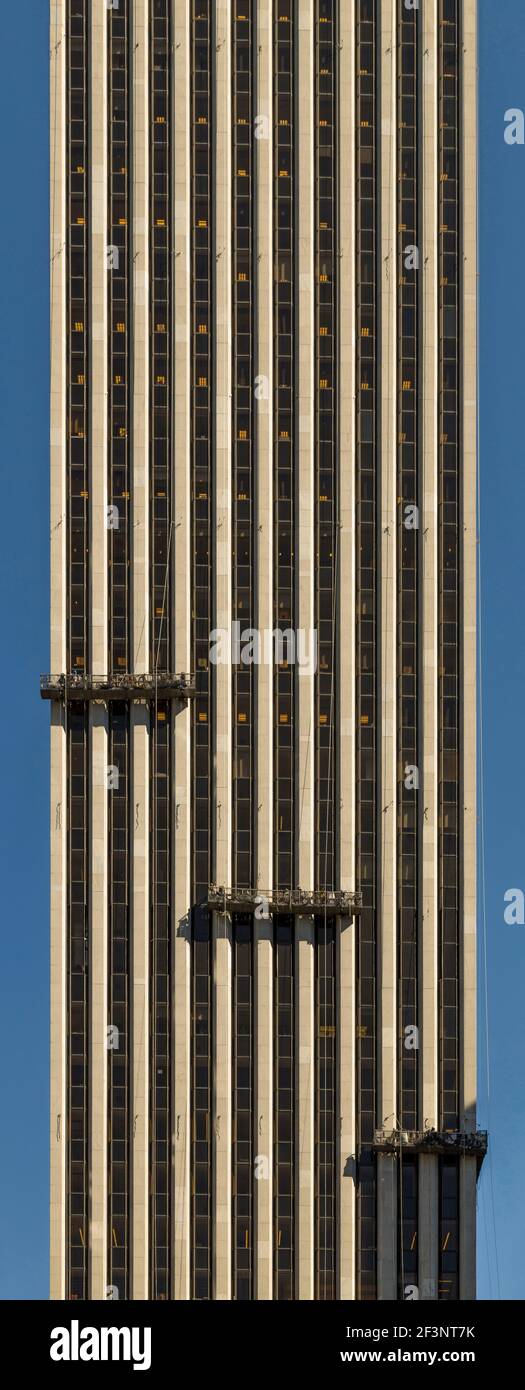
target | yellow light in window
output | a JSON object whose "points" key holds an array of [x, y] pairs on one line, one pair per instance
{"points": [[202, 222], [242, 275], [324, 383], [160, 380], [365, 332], [80, 221], [284, 434], [122, 432], [202, 381], [364, 385], [243, 434], [121, 328], [79, 327], [323, 332], [407, 386], [241, 718], [364, 719], [241, 174], [160, 222], [323, 719], [283, 173], [161, 715], [202, 328], [80, 379], [203, 717], [122, 222], [160, 120], [160, 327], [323, 278], [283, 718]]}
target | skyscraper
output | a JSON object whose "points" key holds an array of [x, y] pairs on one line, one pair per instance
{"points": [[263, 799]]}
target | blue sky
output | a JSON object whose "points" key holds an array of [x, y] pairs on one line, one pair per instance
{"points": [[24, 522]]}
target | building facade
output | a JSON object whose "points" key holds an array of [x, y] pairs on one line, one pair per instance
{"points": [[263, 699]]}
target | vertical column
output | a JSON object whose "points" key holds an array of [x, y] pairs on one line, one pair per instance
{"points": [[428, 1167], [387, 1188], [468, 562], [264, 792], [467, 1192], [223, 614], [181, 606], [140, 648], [346, 775], [98, 654], [58, 808], [305, 620]]}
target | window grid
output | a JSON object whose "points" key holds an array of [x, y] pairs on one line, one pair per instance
{"points": [[202, 37], [77, 334], [449, 543], [284, 596], [325, 436], [77, 1228], [284, 1110], [448, 1285], [77, 616], [242, 1109], [243, 428], [161, 399], [407, 1227], [118, 1019], [325, 1112], [119, 488], [119, 471], [367, 536], [201, 440], [407, 575], [325, 443], [160, 332], [160, 1005], [201, 1091]]}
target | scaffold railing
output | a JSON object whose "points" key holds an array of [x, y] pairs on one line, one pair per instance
{"points": [[296, 902], [117, 685], [470, 1143]]}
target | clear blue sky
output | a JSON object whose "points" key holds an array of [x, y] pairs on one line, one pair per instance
{"points": [[24, 377]]}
